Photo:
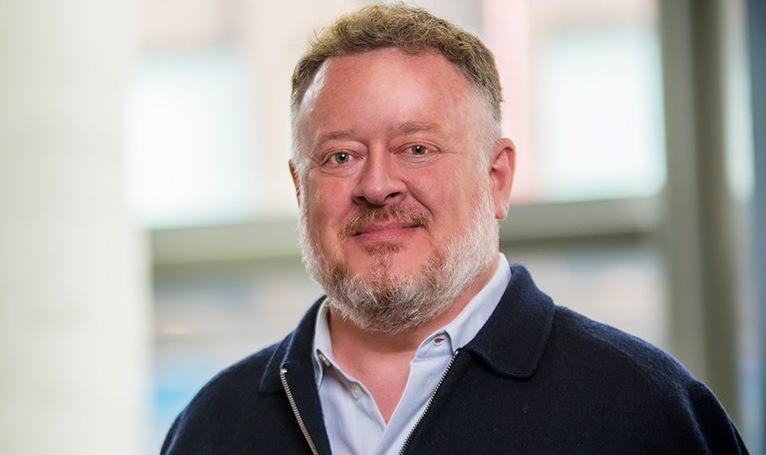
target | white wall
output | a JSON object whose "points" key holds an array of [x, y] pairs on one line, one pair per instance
{"points": [[74, 324]]}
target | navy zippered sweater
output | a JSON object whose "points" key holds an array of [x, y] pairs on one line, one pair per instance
{"points": [[537, 379]]}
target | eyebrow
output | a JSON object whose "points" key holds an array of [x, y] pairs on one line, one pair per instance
{"points": [[415, 127], [330, 136], [406, 127], [403, 128]]}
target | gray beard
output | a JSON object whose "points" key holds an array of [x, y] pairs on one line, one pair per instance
{"points": [[389, 303]]}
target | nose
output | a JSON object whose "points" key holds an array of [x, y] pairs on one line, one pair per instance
{"points": [[380, 182]]}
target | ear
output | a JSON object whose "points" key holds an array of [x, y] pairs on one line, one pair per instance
{"points": [[501, 175], [296, 181]]}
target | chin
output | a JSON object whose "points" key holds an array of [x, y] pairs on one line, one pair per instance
{"points": [[396, 260]]}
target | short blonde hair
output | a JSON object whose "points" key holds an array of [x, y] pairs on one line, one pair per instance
{"points": [[411, 29]]}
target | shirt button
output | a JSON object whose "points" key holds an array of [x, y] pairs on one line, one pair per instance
{"points": [[356, 391], [438, 341]]}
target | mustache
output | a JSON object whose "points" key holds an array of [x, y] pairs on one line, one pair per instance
{"points": [[392, 213]]}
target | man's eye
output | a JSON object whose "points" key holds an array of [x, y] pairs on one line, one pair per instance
{"points": [[340, 158], [418, 149]]}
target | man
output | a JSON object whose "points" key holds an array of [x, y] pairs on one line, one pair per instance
{"points": [[428, 341]]}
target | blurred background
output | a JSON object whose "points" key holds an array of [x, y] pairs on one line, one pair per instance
{"points": [[147, 217]]}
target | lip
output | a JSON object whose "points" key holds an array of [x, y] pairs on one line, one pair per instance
{"points": [[392, 227]]}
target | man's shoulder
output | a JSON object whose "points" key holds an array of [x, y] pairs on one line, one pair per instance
{"points": [[242, 378], [251, 366], [592, 339], [242, 409], [259, 372], [225, 409], [638, 380], [570, 341]]}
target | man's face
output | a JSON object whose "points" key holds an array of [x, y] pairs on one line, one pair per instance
{"points": [[398, 177]]}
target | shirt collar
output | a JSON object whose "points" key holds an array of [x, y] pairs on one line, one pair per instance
{"points": [[322, 343], [459, 331]]}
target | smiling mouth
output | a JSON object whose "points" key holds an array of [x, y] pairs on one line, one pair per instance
{"points": [[393, 219], [374, 228]]}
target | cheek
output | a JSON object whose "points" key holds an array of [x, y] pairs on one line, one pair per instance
{"points": [[449, 191], [326, 204], [455, 204]]}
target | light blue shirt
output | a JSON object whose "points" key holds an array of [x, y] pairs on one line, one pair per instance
{"points": [[354, 423]]}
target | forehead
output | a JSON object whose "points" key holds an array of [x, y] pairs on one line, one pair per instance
{"points": [[386, 80], [426, 63]]}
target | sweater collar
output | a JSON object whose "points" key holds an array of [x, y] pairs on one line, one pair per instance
{"points": [[514, 338]]}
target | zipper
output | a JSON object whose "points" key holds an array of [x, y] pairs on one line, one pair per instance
{"points": [[301, 424], [428, 404]]}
